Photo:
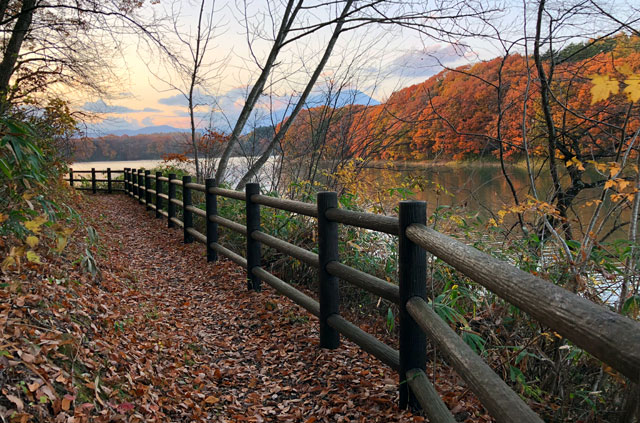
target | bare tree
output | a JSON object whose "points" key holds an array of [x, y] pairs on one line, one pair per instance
{"points": [[191, 73], [447, 20], [63, 42]]}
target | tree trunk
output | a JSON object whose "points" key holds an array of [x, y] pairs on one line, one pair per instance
{"points": [[256, 91], [13, 48], [301, 101]]}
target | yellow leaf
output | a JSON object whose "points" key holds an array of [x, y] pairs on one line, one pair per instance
{"points": [[62, 242], [7, 263], [33, 257], [625, 69], [32, 241], [632, 89], [603, 87], [3, 217], [34, 225], [622, 184], [609, 184], [614, 168]]}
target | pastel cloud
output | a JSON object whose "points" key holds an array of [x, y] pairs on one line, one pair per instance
{"points": [[428, 61]]}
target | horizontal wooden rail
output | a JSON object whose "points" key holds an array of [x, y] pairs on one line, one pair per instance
{"points": [[365, 281], [496, 396], [289, 205], [177, 221], [100, 189], [97, 171], [298, 297], [163, 196], [236, 258], [197, 236], [366, 341], [241, 229], [163, 179], [364, 220], [151, 191], [113, 181], [292, 250], [611, 337], [229, 193], [195, 187], [176, 182], [428, 397], [176, 202], [196, 210]]}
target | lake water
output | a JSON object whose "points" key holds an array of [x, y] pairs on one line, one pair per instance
{"points": [[479, 188]]}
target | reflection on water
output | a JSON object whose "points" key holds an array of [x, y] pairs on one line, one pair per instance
{"points": [[479, 187], [236, 169]]}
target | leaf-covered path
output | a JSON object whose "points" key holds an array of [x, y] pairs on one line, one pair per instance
{"points": [[196, 345]]}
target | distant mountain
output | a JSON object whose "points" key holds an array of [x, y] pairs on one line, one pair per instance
{"points": [[147, 130]]}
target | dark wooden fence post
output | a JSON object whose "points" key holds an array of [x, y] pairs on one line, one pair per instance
{"points": [[71, 177], [108, 180], [412, 280], [133, 179], [93, 180], [147, 186], [158, 192], [187, 215], [329, 294], [253, 246], [126, 181], [171, 207], [134, 183], [212, 210], [140, 186]]}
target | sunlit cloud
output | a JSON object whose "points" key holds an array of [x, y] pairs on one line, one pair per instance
{"points": [[100, 106], [428, 61], [180, 100]]}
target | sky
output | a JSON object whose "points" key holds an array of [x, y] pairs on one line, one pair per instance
{"points": [[370, 63]]}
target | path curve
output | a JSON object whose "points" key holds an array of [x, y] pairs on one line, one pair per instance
{"points": [[206, 349]]}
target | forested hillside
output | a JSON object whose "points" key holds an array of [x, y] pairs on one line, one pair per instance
{"points": [[124, 147], [474, 110], [159, 145]]}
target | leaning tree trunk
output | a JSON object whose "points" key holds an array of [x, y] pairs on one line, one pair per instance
{"points": [[301, 101], [256, 91], [12, 51]]}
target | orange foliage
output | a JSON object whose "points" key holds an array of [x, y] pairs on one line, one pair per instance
{"points": [[456, 113]]}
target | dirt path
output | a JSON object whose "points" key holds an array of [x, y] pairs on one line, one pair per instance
{"points": [[198, 346]]}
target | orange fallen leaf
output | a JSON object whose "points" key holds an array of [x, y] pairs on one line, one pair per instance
{"points": [[211, 400]]}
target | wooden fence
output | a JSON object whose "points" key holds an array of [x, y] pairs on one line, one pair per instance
{"points": [[612, 338], [94, 181]]}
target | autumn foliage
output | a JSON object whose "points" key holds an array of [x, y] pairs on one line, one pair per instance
{"points": [[472, 110]]}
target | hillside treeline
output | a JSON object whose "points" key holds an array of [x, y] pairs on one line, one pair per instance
{"points": [[480, 109], [160, 145]]}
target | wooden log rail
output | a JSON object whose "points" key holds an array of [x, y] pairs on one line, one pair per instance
{"points": [[611, 337], [94, 181]]}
